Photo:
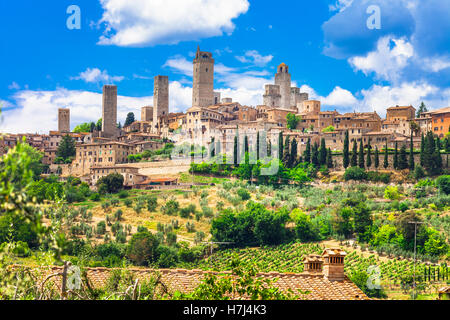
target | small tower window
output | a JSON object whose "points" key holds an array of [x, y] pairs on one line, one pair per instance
{"points": [[206, 69]]}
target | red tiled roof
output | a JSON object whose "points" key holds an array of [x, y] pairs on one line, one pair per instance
{"points": [[186, 281]]}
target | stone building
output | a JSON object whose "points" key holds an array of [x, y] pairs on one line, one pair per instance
{"points": [[440, 121], [272, 96], [147, 113], [109, 111], [160, 103], [100, 154], [131, 175], [203, 80], [63, 120], [283, 80]]}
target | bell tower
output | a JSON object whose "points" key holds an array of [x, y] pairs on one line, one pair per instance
{"points": [[203, 79]]}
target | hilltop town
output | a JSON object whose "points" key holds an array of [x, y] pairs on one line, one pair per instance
{"points": [[215, 119]]}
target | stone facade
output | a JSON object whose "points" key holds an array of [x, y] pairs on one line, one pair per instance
{"points": [[203, 80], [109, 111], [147, 113], [64, 120]]}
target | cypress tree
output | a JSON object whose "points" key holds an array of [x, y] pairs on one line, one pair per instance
{"points": [[396, 156], [369, 155], [354, 160], [293, 154], [411, 164], [329, 158], [429, 152], [361, 155], [269, 149], [246, 151], [213, 147], [346, 160], [386, 157], [257, 146], [322, 152], [307, 153], [422, 151], [376, 159], [280, 145], [437, 157], [403, 161], [315, 155], [236, 150], [286, 153]]}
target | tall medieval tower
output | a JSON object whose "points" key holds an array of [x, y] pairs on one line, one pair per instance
{"points": [[203, 80], [160, 97], [63, 120], [109, 111], [283, 79]]}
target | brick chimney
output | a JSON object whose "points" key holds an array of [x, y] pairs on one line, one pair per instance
{"points": [[333, 264], [313, 264]]}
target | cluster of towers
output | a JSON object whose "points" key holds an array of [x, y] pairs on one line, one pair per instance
{"points": [[281, 94]]}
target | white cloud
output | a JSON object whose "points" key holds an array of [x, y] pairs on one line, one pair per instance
{"points": [[14, 86], [436, 64], [179, 64], [38, 109], [95, 75], [391, 56], [340, 5], [255, 58], [379, 98], [338, 98], [143, 22]]}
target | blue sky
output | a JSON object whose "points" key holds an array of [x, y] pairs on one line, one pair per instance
{"points": [[326, 43]]}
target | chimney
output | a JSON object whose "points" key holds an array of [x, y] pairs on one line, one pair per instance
{"points": [[333, 264], [313, 264]]}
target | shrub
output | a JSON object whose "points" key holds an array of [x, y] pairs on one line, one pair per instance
{"points": [[378, 177], [171, 207], [152, 203], [128, 203], [101, 228], [118, 215], [95, 197], [111, 183], [244, 194], [123, 194], [355, 173], [443, 183], [168, 257], [392, 193], [419, 172], [142, 248]]}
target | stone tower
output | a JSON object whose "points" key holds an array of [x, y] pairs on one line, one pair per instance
{"points": [[283, 79], [147, 113], [203, 80], [109, 111], [63, 120], [160, 97], [272, 96]]}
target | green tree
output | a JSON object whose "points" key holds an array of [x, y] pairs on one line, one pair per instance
{"points": [[396, 156], [304, 228], [354, 159], [403, 161], [376, 158], [286, 152], [422, 108], [315, 155], [369, 155], [142, 248], [236, 151], [293, 154], [307, 152], [66, 149], [130, 119], [411, 164], [258, 146], [422, 151], [292, 121], [280, 145], [111, 183], [346, 160], [322, 153], [361, 155], [386, 156], [329, 158], [99, 124]]}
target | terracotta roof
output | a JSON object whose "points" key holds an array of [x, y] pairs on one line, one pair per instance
{"points": [[400, 108], [443, 110], [186, 281]]}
